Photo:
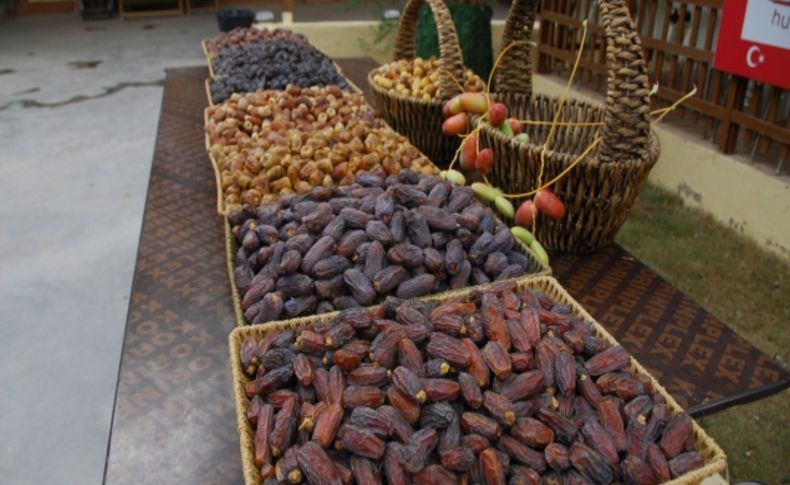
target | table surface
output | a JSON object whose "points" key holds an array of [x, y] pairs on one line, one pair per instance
{"points": [[174, 418]]}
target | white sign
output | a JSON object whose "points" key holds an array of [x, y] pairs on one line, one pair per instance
{"points": [[767, 22]]}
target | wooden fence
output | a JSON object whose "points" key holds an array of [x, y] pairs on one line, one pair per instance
{"points": [[679, 38]]}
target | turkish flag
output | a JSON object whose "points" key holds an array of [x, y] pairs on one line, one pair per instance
{"points": [[754, 40]]}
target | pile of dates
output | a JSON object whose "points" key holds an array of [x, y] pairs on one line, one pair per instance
{"points": [[503, 387], [419, 78], [271, 64], [334, 248], [271, 143], [241, 35]]}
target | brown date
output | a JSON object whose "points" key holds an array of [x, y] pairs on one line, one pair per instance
{"points": [[316, 465], [491, 469], [675, 435], [327, 425], [361, 442]]}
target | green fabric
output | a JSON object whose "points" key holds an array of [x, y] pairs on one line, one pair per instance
{"points": [[473, 25]]}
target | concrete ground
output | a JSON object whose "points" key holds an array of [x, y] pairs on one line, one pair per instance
{"points": [[79, 103], [77, 146]]}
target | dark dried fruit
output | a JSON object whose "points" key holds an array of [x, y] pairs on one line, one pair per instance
{"points": [[611, 359], [284, 430], [589, 464], [500, 407], [360, 287], [270, 381], [522, 454], [435, 475], [316, 465], [480, 424], [400, 429], [327, 424], [565, 373], [637, 471], [557, 457], [598, 439], [658, 463], [491, 469], [470, 390], [417, 286], [408, 408], [408, 383], [533, 432], [384, 348], [367, 375], [405, 254], [447, 348], [367, 396], [522, 385], [457, 459], [393, 470], [322, 249], [417, 229], [371, 419], [675, 435], [497, 359], [361, 442], [265, 425], [386, 280], [476, 367], [685, 463], [304, 370], [441, 389], [564, 428], [365, 471]]}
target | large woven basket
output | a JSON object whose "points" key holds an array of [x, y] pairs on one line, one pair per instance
{"points": [[418, 119], [715, 459], [598, 193]]}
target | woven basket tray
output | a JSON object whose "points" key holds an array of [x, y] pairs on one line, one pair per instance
{"points": [[536, 268], [417, 119], [715, 460], [599, 192]]}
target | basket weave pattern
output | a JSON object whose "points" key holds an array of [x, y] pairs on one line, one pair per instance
{"points": [[599, 192], [715, 460], [418, 119]]}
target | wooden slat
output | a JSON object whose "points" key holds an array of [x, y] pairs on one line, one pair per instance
{"points": [[678, 56], [754, 110], [770, 117]]}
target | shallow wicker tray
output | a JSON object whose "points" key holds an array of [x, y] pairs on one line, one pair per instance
{"points": [[536, 268], [715, 459]]}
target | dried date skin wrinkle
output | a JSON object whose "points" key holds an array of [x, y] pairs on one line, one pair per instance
{"points": [[409, 392]]}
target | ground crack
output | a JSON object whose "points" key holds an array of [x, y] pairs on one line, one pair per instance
{"points": [[32, 103]]}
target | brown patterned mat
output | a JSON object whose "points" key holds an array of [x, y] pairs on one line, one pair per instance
{"points": [[174, 415]]}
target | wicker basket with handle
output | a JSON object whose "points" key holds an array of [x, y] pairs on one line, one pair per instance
{"points": [[599, 192], [420, 120], [714, 457]]}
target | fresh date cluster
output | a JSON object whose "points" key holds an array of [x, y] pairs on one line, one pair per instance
{"points": [[334, 248], [271, 64], [505, 387]]}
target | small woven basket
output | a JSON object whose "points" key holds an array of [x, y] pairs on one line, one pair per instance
{"points": [[598, 193], [712, 454], [417, 119]]}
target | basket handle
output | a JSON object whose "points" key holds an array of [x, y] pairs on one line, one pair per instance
{"points": [[626, 129], [450, 57]]}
